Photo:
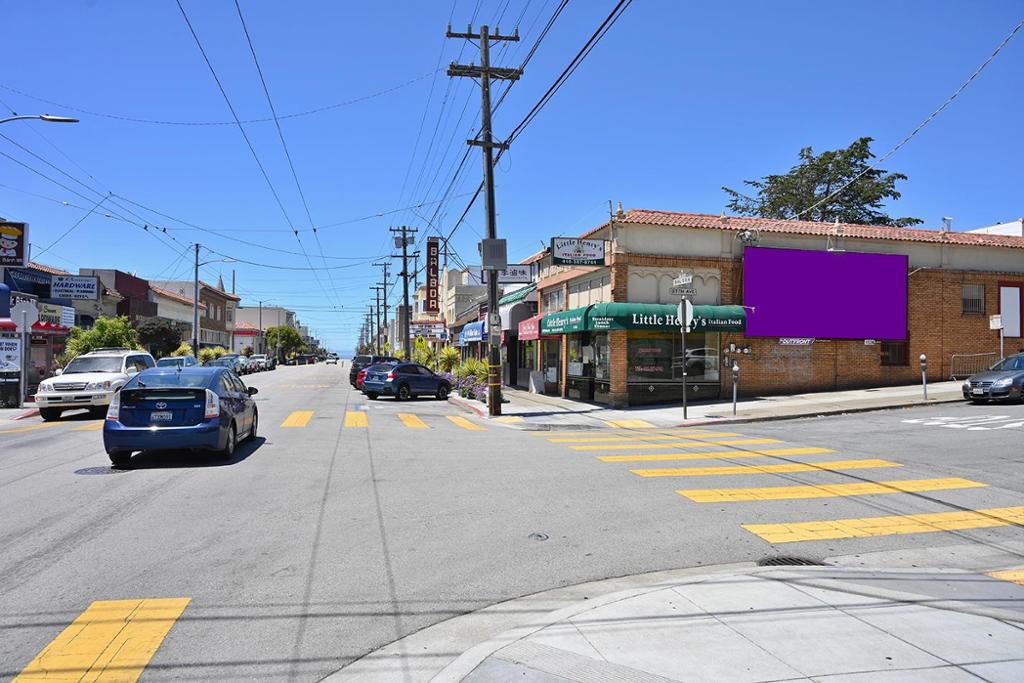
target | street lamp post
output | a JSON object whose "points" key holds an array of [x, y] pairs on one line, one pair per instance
{"points": [[40, 117], [195, 298]]}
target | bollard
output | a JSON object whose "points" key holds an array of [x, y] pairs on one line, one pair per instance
{"points": [[735, 384], [924, 375]]}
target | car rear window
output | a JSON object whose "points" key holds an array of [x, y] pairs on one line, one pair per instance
{"points": [[361, 360], [170, 379]]}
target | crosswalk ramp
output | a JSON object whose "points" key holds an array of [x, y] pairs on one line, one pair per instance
{"points": [[361, 419], [719, 455]]}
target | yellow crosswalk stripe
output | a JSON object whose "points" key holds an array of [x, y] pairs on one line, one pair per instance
{"points": [[675, 444], [649, 457], [888, 526], [357, 418], [300, 418], [681, 432], [765, 469], [630, 424], [1013, 575], [465, 424], [635, 437], [112, 640], [91, 427], [412, 421], [826, 490], [510, 419], [32, 427]]}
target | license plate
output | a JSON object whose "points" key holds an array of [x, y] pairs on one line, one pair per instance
{"points": [[162, 416], [978, 391]]}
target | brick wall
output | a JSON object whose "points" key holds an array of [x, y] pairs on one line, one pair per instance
{"points": [[937, 328]]}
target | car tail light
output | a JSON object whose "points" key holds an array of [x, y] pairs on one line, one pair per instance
{"points": [[114, 411], [212, 405], [391, 375]]}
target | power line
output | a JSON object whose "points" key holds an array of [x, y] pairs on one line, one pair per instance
{"points": [[69, 230]]}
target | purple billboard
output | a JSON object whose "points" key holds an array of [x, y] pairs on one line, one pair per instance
{"points": [[825, 294]]}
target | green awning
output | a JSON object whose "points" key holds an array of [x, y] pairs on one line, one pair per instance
{"points": [[630, 316], [564, 321], [518, 295]]}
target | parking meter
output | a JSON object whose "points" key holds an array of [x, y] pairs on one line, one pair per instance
{"points": [[924, 374], [735, 384]]}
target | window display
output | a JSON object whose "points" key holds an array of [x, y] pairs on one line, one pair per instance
{"points": [[657, 356]]}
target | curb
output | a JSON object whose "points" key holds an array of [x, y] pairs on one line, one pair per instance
{"points": [[31, 412], [467, 406]]}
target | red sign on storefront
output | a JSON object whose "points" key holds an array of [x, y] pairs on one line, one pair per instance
{"points": [[433, 282]]}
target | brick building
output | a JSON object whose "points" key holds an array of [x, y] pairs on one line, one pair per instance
{"points": [[608, 333]]}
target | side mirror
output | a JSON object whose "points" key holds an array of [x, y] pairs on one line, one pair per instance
{"points": [[252, 391], [58, 372]]}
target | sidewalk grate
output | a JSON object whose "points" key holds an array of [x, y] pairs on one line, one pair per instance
{"points": [[789, 561]]}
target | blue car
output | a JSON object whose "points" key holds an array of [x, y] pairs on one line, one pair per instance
{"points": [[405, 380], [205, 408]]}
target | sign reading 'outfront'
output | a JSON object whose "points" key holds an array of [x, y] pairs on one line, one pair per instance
{"points": [[573, 251]]}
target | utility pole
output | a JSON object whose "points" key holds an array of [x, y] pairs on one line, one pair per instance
{"points": [[195, 306], [385, 265], [373, 335], [485, 72], [376, 290], [405, 231]]}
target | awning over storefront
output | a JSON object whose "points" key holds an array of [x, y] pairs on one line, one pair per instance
{"points": [[529, 329], [8, 325], [573, 320], [473, 332], [517, 295], [630, 316]]}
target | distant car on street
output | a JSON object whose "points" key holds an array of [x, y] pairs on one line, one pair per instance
{"points": [[232, 363], [405, 381], [331, 360], [382, 367], [89, 381], [360, 362], [267, 362], [207, 408], [1004, 381], [177, 362]]}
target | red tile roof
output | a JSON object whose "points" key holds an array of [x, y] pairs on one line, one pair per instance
{"points": [[47, 269], [881, 232], [226, 295], [174, 296]]}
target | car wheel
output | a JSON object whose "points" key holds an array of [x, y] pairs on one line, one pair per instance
{"points": [[255, 422], [403, 393], [229, 445], [50, 414], [442, 392], [120, 459], [372, 395]]}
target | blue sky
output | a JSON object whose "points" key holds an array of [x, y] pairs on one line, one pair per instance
{"points": [[679, 99]]}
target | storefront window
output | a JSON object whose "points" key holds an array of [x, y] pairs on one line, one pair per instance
{"points": [[575, 367], [552, 366], [657, 356], [602, 353], [528, 355]]}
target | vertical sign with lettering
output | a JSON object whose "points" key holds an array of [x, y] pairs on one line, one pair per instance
{"points": [[433, 283]]}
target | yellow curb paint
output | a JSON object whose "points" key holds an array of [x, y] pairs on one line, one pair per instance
{"points": [[465, 424], [510, 419], [357, 418], [412, 421], [888, 526], [1012, 575], [92, 427], [826, 490], [112, 640], [636, 437], [675, 444], [32, 428], [652, 457], [630, 424], [765, 469], [300, 418]]}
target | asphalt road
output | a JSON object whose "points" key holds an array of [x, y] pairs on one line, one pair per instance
{"points": [[323, 541]]}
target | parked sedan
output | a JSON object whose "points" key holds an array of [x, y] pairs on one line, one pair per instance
{"points": [[176, 361], [1003, 381], [405, 380], [205, 408], [232, 363]]}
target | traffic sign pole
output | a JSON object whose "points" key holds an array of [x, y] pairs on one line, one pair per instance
{"points": [[685, 315]]}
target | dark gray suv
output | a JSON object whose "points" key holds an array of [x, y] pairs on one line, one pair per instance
{"points": [[1003, 381]]}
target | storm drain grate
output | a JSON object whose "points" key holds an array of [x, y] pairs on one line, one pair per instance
{"points": [[789, 561]]}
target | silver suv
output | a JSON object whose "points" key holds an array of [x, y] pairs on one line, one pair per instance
{"points": [[89, 381]]}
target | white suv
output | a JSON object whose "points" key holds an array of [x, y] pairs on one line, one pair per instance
{"points": [[89, 381]]}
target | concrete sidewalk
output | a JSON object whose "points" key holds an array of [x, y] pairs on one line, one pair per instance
{"points": [[538, 411], [739, 624]]}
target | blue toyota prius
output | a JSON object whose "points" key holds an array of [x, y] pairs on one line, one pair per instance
{"points": [[205, 408]]}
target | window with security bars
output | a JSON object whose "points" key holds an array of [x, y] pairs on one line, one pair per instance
{"points": [[895, 354], [974, 300]]}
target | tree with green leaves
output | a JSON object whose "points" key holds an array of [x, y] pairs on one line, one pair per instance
{"points": [[813, 181], [159, 335], [105, 333], [286, 340], [449, 358]]}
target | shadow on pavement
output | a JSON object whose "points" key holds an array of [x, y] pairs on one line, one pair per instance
{"points": [[155, 460]]}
